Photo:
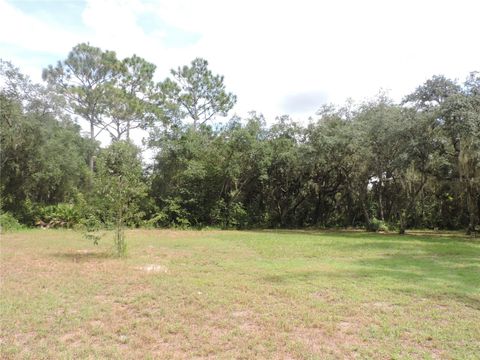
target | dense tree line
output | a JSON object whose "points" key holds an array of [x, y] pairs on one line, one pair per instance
{"points": [[376, 165]]}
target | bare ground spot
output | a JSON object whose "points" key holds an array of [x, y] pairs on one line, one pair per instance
{"points": [[96, 323], [383, 305], [339, 343], [245, 320], [241, 314], [153, 268], [324, 295], [25, 337], [69, 338]]}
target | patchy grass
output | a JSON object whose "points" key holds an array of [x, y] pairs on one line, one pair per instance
{"points": [[229, 294]]}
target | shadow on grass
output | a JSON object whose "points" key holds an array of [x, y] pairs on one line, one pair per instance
{"points": [[425, 278], [432, 270], [83, 255], [292, 276], [444, 249], [423, 236], [444, 277], [469, 301], [442, 268]]}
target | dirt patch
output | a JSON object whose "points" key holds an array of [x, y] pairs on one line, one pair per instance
{"points": [[153, 268], [339, 344], [245, 320], [69, 338], [324, 295], [240, 314], [25, 338], [96, 323], [382, 305], [85, 251]]}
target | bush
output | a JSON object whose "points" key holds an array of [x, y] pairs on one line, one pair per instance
{"points": [[91, 227], [377, 225], [231, 215], [160, 219], [60, 215], [173, 214], [9, 223]]}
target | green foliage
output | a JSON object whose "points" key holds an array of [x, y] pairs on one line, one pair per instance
{"points": [[9, 223], [194, 92], [231, 215], [60, 215], [43, 156], [370, 165], [377, 225], [129, 98], [173, 214], [119, 188], [111, 95], [91, 227], [157, 220], [414, 164], [83, 79]]}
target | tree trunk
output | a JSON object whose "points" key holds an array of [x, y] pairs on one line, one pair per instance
{"points": [[120, 235], [472, 210], [92, 137], [318, 209], [380, 198], [403, 222], [364, 200], [118, 131], [367, 217]]}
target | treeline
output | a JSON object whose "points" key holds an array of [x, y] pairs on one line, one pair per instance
{"points": [[377, 164]]}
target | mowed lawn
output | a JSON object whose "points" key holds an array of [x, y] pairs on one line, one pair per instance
{"points": [[243, 295]]}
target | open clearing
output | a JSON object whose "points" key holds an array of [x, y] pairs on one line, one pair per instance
{"points": [[231, 294]]}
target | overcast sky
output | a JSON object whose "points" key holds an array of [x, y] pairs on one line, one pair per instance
{"points": [[278, 57]]}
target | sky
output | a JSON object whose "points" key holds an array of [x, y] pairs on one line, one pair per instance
{"points": [[279, 57]]}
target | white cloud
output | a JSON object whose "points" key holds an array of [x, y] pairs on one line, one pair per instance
{"points": [[25, 40], [27, 32], [269, 51], [113, 25]]}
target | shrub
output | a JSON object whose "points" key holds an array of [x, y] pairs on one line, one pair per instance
{"points": [[231, 215], [91, 227], [172, 214], [377, 225], [9, 223], [160, 219], [60, 215]]}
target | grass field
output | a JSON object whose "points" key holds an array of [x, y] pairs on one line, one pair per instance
{"points": [[229, 294]]}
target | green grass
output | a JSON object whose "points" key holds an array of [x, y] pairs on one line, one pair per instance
{"points": [[229, 294]]}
